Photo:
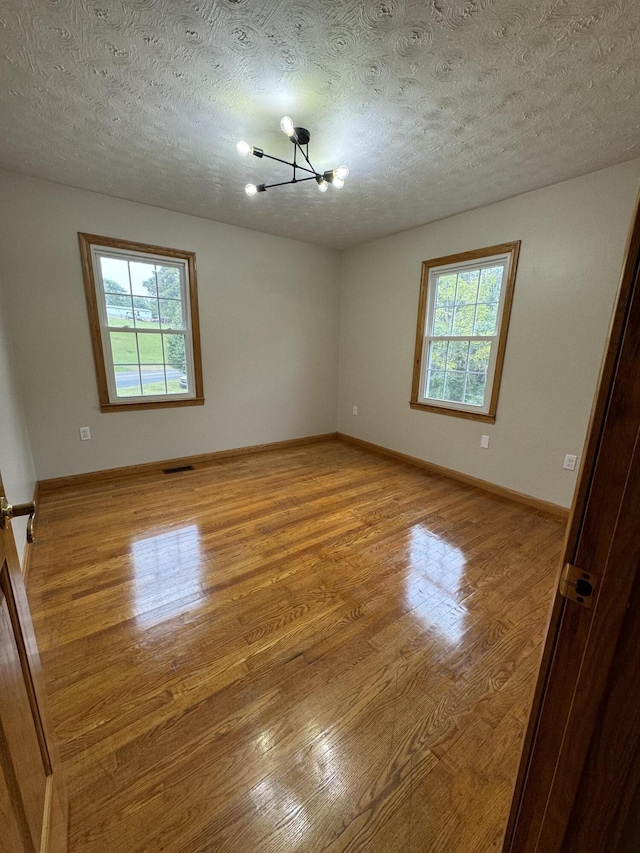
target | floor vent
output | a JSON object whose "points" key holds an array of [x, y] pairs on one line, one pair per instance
{"points": [[177, 470]]}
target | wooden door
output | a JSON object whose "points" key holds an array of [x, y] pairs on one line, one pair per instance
{"points": [[33, 808], [581, 764]]}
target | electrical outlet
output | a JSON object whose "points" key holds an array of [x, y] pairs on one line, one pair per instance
{"points": [[570, 462], [484, 441], [355, 410], [85, 433]]}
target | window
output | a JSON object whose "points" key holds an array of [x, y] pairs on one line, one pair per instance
{"points": [[143, 311], [463, 318]]}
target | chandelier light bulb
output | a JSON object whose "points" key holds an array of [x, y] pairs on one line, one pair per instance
{"points": [[338, 183], [341, 172], [286, 125], [251, 189], [323, 185], [243, 148]]}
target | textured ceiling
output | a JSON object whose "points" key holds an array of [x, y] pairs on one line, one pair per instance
{"points": [[436, 106]]}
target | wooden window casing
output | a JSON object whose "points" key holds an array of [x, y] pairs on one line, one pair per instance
{"points": [[503, 253], [90, 244]]}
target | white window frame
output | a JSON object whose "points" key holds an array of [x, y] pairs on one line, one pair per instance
{"points": [[476, 260], [93, 248]]}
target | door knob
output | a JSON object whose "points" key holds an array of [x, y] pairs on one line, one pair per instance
{"points": [[9, 511]]}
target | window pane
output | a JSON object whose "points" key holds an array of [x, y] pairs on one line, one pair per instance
{"points": [[435, 384], [454, 386], [446, 292], [168, 282], [127, 381], [490, 284], [153, 379], [479, 353], [171, 314], [474, 394], [463, 320], [457, 355], [175, 355], [486, 319], [437, 355], [143, 278], [177, 383], [115, 275], [150, 349], [467, 287], [146, 312], [119, 309], [442, 321], [123, 347]]}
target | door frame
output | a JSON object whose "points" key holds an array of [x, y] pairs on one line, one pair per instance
{"points": [[580, 643]]}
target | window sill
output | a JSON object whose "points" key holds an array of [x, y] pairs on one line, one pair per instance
{"points": [[457, 413], [156, 404]]}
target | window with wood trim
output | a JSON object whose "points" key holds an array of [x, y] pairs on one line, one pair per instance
{"points": [[143, 312], [463, 319]]}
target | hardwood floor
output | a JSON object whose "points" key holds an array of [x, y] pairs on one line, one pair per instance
{"points": [[314, 649]]}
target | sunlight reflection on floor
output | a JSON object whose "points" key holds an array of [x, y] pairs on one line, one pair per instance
{"points": [[435, 577], [168, 573]]}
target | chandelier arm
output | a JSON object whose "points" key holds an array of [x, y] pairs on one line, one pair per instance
{"points": [[295, 181], [317, 174], [289, 163]]}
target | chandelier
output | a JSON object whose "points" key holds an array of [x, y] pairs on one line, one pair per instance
{"points": [[300, 137]]}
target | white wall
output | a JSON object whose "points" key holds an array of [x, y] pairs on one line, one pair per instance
{"points": [[268, 319], [269, 322], [16, 461], [573, 236]]}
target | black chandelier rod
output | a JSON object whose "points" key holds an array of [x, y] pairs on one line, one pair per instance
{"points": [[306, 158], [297, 166], [293, 181]]}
